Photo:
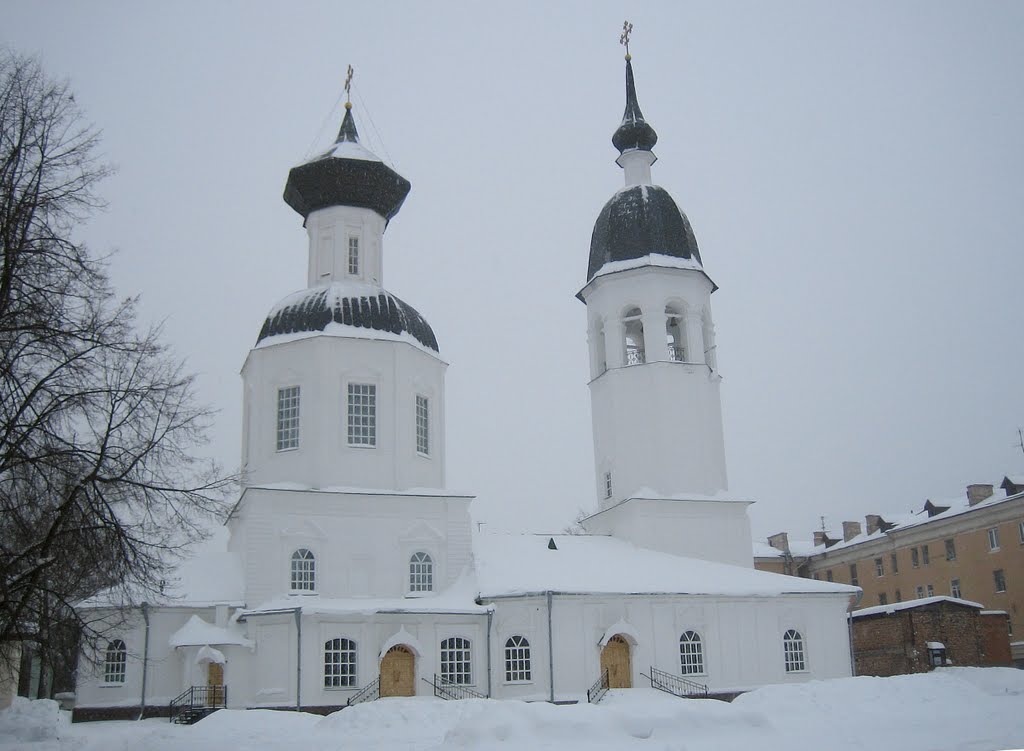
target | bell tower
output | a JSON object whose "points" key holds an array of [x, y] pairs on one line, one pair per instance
{"points": [[659, 451]]}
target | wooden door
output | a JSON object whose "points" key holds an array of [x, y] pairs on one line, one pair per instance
{"points": [[398, 672], [214, 684], [615, 659]]}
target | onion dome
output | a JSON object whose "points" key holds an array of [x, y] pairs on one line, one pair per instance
{"points": [[639, 221], [634, 132], [361, 308], [347, 174]]}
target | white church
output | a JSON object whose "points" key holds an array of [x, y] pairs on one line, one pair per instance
{"points": [[350, 573]]}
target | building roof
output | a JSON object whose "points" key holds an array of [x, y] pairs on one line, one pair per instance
{"points": [[347, 174], [518, 564], [197, 633], [351, 309], [911, 604]]}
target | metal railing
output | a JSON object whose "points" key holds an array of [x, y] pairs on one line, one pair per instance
{"points": [[446, 689], [676, 354], [676, 685], [596, 692], [196, 702], [369, 692], [635, 356]]}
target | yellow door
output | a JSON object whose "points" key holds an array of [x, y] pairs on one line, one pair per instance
{"points": [[215, 684], [615, 659], [398, 672]]}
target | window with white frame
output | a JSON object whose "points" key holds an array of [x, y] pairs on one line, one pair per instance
{"points": [[422, 425], [340, 663], [303, 571], [931, 591], [287, 418], [691, 653], [421, 573], [517, 660], [793, 650], [115, 662], [954, 588], [353, 256], [993, 538], [607, 484], [362, 414], [879, 567], [455, 661], [918, 592]]}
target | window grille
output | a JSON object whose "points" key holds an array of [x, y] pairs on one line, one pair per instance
{"points": [[115, 662], [793, 648], [422, 425], [421, 573], [362, 414], [340, 663], [691, 653], [517, 660], [303, 571], [288, 418], [353, 256], [455, 661]]}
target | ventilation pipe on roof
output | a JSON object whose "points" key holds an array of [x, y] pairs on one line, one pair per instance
{"points": [[780, 541], [850, 530], [978, 493]]}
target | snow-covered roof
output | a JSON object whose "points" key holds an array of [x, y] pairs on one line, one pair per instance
{"points": [[522, 564], [954, 507], [935, 645], [196, 633], [910, 604]]}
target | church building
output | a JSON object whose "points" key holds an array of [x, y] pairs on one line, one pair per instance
{"points": [[350, 573]]}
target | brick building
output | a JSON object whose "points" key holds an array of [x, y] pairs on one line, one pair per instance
{"points": [[969, 548], [916, 636]]}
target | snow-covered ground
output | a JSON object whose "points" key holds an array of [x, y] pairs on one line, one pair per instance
{"points": [[954, 708]]}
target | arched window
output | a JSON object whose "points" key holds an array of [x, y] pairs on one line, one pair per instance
{"points": [[303, 571], [793, 649], [675, 334], [421, 573], [340, 663], [517, 660], [115, 661], [455, 661], [691, 653], [633, 328]]}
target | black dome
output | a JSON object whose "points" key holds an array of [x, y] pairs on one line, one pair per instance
{"points": [[636, 222], [634, 132], [313, 309]]}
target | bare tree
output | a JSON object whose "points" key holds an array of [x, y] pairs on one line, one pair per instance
{"points": [[101, 484]]}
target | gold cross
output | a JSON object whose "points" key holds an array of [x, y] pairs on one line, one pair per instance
{"points": [[627, 29], [348, 87]]}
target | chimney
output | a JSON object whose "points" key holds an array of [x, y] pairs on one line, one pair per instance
{"points": [[978, 493], [872, 522], [819, 537], [850, 530], [780, 541]]}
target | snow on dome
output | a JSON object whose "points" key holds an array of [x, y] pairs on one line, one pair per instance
{"points": [[353, 309], [521, 564]]}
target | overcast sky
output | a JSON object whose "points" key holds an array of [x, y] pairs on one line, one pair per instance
{"points": [[854, 174]]}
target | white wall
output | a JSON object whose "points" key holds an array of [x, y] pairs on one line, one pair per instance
{"points": [[329, 231]]}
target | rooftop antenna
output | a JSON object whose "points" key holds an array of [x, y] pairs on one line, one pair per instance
{"points": [[822, 523], [627, 29], [348, 88]]}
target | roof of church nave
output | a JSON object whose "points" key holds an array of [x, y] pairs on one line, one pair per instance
{"points": [[356, 306], [639, 219]]}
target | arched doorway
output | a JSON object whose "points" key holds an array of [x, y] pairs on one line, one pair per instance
{"points": [[615, 659], [398, 672], [215, 684]]}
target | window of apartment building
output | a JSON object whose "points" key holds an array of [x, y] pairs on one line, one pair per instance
{"points": [[924, 555], [993, 538], [954, 588], [422, 425], [899, 596], [950, 550], [1000, 580], [883, 598], [931, 591], [288, 418], [362, 414], [894, 563], [919, 592], [914, 560], [879, 567], [1020, 532], [828, 574], [817, 576], [853, 575]]}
